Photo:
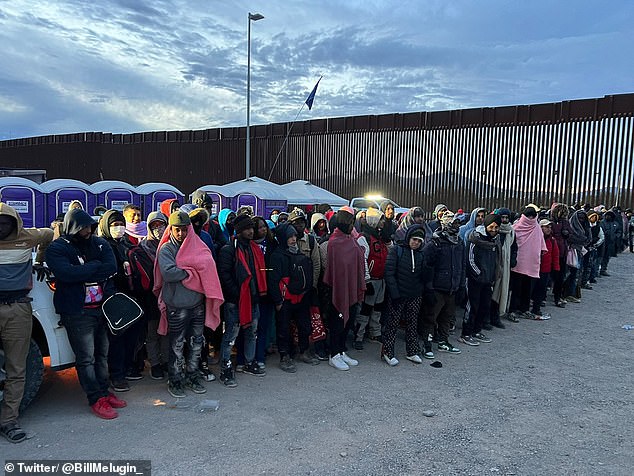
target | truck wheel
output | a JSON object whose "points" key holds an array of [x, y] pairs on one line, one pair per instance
{"points": [[34, 374]]}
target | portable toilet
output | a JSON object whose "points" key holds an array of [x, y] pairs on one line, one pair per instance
{"points": [[27, 198], [218, 197], [61, 192], [153, 193], [262, 195], [114, 194]]}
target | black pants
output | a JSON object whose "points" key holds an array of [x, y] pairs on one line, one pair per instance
{"points": [[122, 350], [558, 279], [478, 306], [521, 288], [337, 330], [300, 313], [437, 320], [539, 292]]}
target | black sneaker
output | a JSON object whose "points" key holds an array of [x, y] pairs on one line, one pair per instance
{"points": [[120, 385], [468, 340], [498, 324], [193, 383], [357, 345], [205, 372], [593, 281], [176, 389], [156, 372], [481, 338], [287, 364], [252, 368], [227, 376], [487, 327], [133, 374], [322, 355], [447, 347]]}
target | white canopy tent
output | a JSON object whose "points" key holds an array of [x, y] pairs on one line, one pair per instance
{"points": [[302, 192]]}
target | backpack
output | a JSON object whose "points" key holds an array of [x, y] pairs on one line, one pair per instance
{"points": [[300, 278], [141, 270]]}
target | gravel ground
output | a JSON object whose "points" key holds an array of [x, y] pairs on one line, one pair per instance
{"points": [[551, 397]]}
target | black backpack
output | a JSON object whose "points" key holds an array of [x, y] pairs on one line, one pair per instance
{"points": [[300, 274]]}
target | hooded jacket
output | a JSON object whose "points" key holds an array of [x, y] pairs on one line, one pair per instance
{"points": [[16, 255], [166, 206], [75, 262], [435, 223], [470, 225], [482, 252], [313, 222], [120, 248], [405, 269], [280, 262], [222, 222]]}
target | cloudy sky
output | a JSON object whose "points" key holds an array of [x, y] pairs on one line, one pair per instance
{"points": [[137, 65]]}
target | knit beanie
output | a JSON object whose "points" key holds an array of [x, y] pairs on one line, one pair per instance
{"points": [[492, 218], [242, 222], [179, 218]]}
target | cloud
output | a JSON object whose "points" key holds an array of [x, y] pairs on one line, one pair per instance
{"points": [[130, 65]]}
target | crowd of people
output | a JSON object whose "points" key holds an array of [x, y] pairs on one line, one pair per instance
{"points": [[306, 284]]}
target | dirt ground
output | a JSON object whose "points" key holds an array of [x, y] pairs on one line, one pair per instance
{"points": [[544, 398]]}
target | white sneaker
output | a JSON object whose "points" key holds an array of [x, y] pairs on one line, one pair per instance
{"points": [[349, 360], [338, 362], [415, 358], [391, 362]]}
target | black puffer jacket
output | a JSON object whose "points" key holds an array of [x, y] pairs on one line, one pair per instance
{"points": [[405, 270], [447, 263]]}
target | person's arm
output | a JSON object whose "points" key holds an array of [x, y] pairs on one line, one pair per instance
{"points": [[391, 265], [59, 260], [363, 243], [42, 238], [227, 273], [167, 266]]}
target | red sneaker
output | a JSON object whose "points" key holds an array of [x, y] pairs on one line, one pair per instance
{"points": [[102, 409], [115, 402]]}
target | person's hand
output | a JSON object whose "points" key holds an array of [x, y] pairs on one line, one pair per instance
{"points": [[41, 271], [369, 289]]}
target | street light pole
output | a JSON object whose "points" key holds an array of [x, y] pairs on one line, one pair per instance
{"points": [[252, 17]]}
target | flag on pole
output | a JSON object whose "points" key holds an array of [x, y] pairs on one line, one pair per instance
{"points": [[311, 96]]}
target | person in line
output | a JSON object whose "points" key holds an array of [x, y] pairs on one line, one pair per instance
{"points": [[578, 241], [375, 252], [189, 296], [242, 271], [561, 232], [439, 210], [550, 262], [345, 277], [590, 261], [16, 317], [84, 265], [477, 218], [482, 252], [290, 282], [405, 276], [507, 259], [135, 228], [445, 256]]}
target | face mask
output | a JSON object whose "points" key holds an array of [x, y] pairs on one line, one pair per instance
{"points": [[157, 233], [117, 232]]}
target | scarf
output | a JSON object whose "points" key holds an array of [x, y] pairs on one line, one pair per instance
{"points": [[137, 230], [346, 272], [503, 276], [244, 276], [530, 244], [193, 257]]}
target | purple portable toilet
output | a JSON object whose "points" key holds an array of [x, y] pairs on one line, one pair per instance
{"points": [[218, 197], [262, 195], [27, 198], [153, 193], [114, 194], [61, 192]]}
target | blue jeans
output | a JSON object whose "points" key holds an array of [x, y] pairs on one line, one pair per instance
{"points": [[185, 325], [88, 337], [232, 329]]}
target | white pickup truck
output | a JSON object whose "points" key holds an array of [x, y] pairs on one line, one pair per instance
{"points": [[49, 343]]}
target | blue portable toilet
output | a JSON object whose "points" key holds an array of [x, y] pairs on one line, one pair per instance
{"points": [[114, 194], [27, 198], [153, 193], [61, 192]]}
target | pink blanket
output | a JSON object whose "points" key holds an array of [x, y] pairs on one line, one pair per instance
{"points": [[530, 245], [195, 258]]}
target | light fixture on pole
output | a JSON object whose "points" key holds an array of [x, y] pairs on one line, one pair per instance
{"points": [[252, 17]]}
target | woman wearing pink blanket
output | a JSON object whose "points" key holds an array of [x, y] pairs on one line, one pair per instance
{"points": [[530, 246]]}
